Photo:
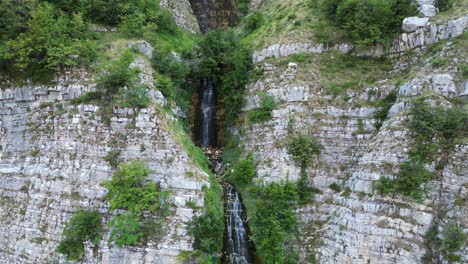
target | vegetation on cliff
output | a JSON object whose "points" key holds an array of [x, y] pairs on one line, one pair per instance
{"points": [[130, 196], [83, 226]]}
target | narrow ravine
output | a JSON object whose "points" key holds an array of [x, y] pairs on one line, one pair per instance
{"points": [[237, 247]]}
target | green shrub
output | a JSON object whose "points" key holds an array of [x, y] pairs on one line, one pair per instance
{"points": [[53, 40], [408, 181], [83, 226], [135, 96], [227, 63], [117, 76], [303, 149], [335, 187], [454, 239], [167, 64], [384, 106], [436, 130], [125, 229], [128, 191], [243, 172], [208, 228], [439, 62], [444, 5], [262, 113], [367, 21], [15, 16], [165, 85], [253, 22], [274, 224], [112, 158]]}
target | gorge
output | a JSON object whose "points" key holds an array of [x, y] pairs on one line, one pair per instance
{"points": [[136, 132]]}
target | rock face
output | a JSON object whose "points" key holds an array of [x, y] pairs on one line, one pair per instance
{"points": [[214, 13], [183, 14], [411, 24], [419, 34], [355, 225], [52, 162]]}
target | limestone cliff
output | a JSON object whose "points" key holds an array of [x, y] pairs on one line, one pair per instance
{"points": [[353, 224], [53, 162]]}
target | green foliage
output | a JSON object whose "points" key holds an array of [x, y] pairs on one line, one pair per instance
{"points": [[117, 76], [243, 172], [208, 229], [227, 63], [408, 181], [113, 158], [367, 22], [253, 21], [242, 7], [136, 96], [335, 187], [273, 222], [127, 190], [444, 4], [53, 40], [439, 62], [262, 113], [435, 129], [126, 229], [303, 148], [384, 106], [15, 16], [83, 226], [453, 240], [373, 21]]}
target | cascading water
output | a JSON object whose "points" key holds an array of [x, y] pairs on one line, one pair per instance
{"points": [[237, 237], [207, 110]]}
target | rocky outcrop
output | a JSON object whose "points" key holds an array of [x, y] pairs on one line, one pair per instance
{"points": [[418, 34], [411, 24], [213, 14], [53, 162], [354, 224], [183, 14]]}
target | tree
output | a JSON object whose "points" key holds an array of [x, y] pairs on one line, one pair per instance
{"points": [[244, 171], [53, 40], [125, 229], [83, 226], [14, 17]]}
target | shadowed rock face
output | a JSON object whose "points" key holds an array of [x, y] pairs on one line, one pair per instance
{"points": [[214, 13]]}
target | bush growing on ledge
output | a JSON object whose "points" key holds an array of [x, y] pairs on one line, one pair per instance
{"points": [[83, 226], [436, 129], [273, 222], [453, 240], [367, 22], [303, 149], [243, 172], [126, 229], [262, 113], [408, 181], [127, 191], [208, 228]]}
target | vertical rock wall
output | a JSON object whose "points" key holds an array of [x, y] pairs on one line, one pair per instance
{"points": [[52, 162]]}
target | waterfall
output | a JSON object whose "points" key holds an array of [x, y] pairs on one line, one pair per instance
{"points": [[207, 110], [237, 238]]}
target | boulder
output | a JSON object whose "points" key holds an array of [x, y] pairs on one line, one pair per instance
{"points": [[411, 24], [428, 10]]}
